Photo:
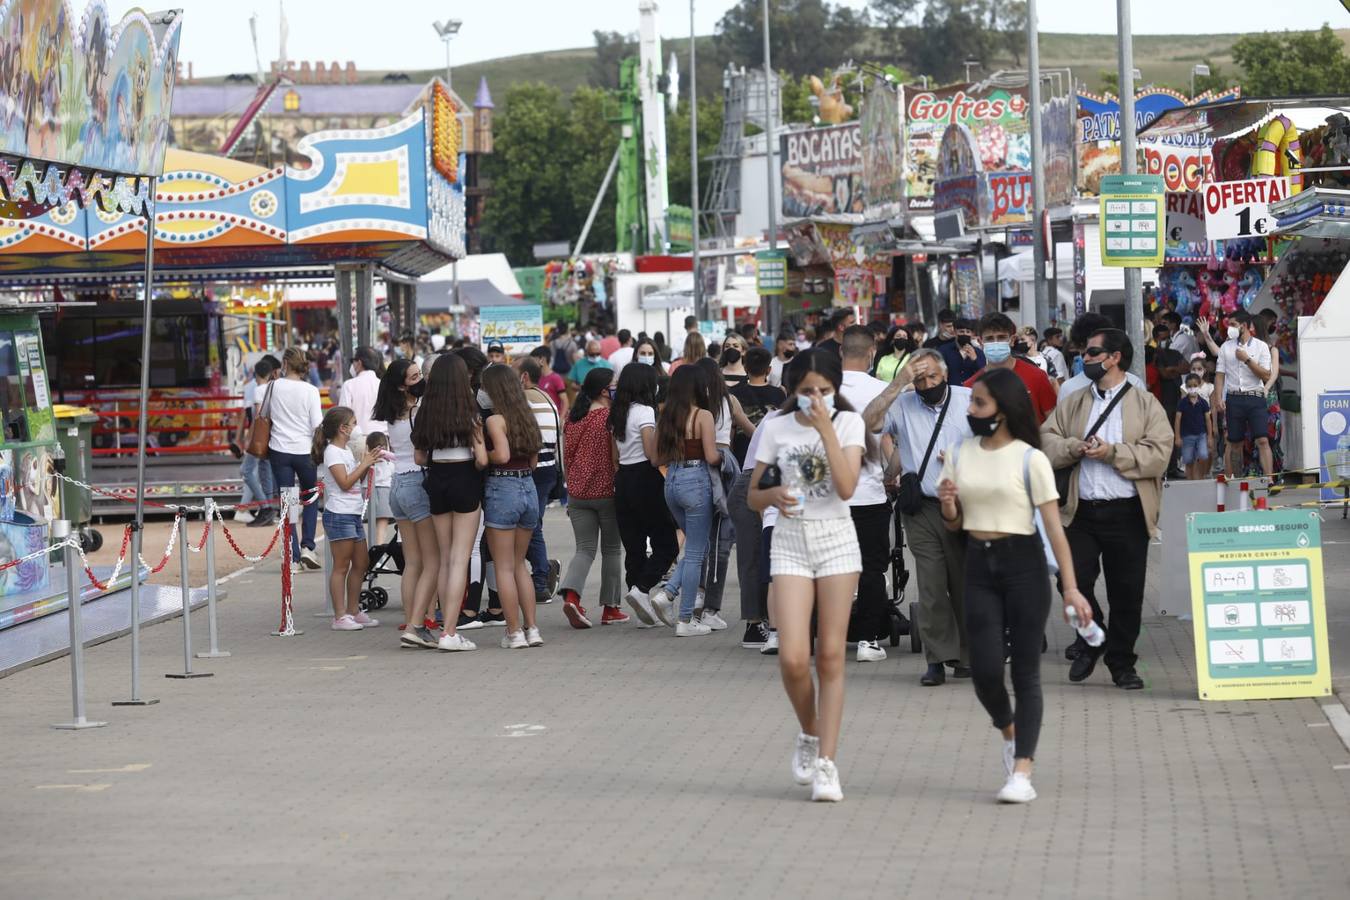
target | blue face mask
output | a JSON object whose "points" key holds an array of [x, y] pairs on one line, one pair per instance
{"points": [[804, 403], [997, 351]]}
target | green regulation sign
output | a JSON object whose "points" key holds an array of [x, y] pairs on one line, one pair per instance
{"points": [[1133, 211]]}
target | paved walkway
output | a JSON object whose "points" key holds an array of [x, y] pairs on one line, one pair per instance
{"points": [[624, 763]]}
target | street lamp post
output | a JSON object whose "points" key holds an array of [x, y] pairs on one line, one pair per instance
{"points": [[700, 304], [447, 31], [1129, 165], [1197, 69], [773, 312]]}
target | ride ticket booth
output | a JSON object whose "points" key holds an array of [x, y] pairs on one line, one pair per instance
{"points": [[30, 495]]}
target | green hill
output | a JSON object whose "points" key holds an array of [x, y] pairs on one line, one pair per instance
{"points": [[1163, 59]]}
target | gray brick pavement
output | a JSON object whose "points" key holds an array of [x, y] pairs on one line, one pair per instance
{"points": [[336, 765]]}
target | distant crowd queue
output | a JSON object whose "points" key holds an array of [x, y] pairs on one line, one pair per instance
{"points": [[1002, 457]]}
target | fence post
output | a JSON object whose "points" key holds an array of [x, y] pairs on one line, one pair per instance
{"points": [[186, 589], [215, 652], [61, 530]]}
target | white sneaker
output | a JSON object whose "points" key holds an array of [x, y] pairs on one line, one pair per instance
{"points": [[662, 606], [514, 640], [714, 621], [641, 605], [825, 785], [804, 758], [870, 651], [533, 637], [455, 642], [1009, 757], [310, 560], [691, 629], [346, 623], [1017, 790], [366, 621], [770, 647], [243, 516]]}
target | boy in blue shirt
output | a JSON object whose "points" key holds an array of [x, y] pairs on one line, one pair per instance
{"points": [[1194, 430]]}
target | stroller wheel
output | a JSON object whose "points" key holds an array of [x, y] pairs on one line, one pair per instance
{"points": [[367, 601], [379, 596]]}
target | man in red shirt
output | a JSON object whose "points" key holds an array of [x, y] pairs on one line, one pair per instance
{"points": [[997, 332]]}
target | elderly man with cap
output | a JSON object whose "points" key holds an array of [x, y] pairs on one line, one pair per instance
{"points": [[592, 360]]}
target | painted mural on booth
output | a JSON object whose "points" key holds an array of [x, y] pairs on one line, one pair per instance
{"points": [[86, 92], [995, 119]]}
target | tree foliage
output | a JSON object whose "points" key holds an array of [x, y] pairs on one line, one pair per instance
{"points": [[1292, 63], [805, 35], [611, 48]]}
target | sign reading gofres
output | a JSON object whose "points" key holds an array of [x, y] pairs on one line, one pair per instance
{"points": [[996, 121], [822, 173]]}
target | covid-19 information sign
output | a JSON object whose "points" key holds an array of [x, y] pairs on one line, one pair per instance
{"points": [[1259, 604]]}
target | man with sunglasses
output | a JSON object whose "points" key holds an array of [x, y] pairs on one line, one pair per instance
{"points": [[1118, 441]]}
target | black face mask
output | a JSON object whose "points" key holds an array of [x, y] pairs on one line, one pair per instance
{"points": [[789, 353], [932, 395], [903, 345], [1020, 348], [1094, 371], [417, 389], [983, 426]]}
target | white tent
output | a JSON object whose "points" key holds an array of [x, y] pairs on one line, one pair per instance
{"points": [[492, 267]]}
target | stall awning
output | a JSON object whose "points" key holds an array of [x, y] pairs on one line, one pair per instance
{"points": [[438, 296], [1221, 120]]}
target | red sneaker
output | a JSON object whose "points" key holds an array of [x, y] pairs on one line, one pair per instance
{"points": [[575, 614], [613, 615]]}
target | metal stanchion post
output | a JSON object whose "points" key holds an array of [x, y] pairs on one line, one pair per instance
{"points": [[187, 605], [215, 652], [61, 531], [136, 699]]}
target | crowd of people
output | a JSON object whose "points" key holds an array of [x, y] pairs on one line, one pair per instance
{"points": [[1002, 457]]}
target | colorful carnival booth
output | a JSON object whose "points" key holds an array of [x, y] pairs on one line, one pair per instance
{"points": [[1266, 231]]}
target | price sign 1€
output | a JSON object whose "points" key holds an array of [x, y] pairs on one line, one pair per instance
{"points": [[1241, 209]]}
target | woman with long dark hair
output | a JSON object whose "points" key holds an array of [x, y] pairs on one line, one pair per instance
{"points": [[815, 450], [992, 485], [511, 504], [727, 417], [686, 444], [448, 437], [396, 405], [639, 490], [590, 505]]}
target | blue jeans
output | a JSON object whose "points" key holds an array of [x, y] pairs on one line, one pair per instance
{"points": [[537, 554], [689, 496], [258, 486], [287, 468]]}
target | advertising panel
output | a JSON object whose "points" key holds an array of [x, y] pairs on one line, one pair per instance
{"points": [[1258, 597], [1057, 147], [883, 165], [1132, 216], [89, 92], [856, 271], [822, 173], [996, 120], [519, 329], [1098, 139], [1333, 430]]}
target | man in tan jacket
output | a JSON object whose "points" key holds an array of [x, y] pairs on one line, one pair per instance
{"points": [[1119, 443]]}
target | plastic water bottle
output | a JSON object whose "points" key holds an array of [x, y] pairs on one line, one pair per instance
{"points": [[798, 501], [1092, 632]]}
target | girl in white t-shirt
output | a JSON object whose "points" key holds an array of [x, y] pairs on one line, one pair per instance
{"points": [[816, 450], [343, 501]]}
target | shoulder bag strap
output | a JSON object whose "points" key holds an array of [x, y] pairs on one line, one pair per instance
{"points": [[937, 430], [1106, 413], [266, 409]]}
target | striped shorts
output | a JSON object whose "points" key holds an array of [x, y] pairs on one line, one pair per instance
{"points": [[815, 548]]}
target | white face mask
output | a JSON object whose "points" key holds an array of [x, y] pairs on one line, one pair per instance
{"points": [[1233, 332], [647, 360], [484, 400], [593, 358], [804, 403], [352, 369]]}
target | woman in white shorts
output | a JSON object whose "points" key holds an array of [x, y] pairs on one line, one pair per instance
{"points": [[815, 453]]}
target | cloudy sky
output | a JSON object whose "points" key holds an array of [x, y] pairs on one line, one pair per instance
{"points": [[398, 33]]}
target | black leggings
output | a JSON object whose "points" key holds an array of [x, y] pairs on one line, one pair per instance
{"points": [[1008, 588], [640, 507]]}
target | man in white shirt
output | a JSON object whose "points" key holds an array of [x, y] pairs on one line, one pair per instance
{"points": [[868, 506], [624, 355], [784, 349], [1240, 391], [912, 418], [690, 327], [358, 393], [1054, 340]]}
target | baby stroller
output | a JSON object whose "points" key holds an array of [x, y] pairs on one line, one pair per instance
{"points": [[899, 625], [385, 559]]}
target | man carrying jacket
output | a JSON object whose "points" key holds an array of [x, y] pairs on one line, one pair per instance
{"points": [[1114, 495]]}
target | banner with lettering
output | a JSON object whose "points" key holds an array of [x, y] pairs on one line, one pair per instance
{"points": [[822, 173], [995, 119]]}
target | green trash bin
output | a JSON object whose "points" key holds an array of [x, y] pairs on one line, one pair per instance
{"points": [[75, 433]]}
